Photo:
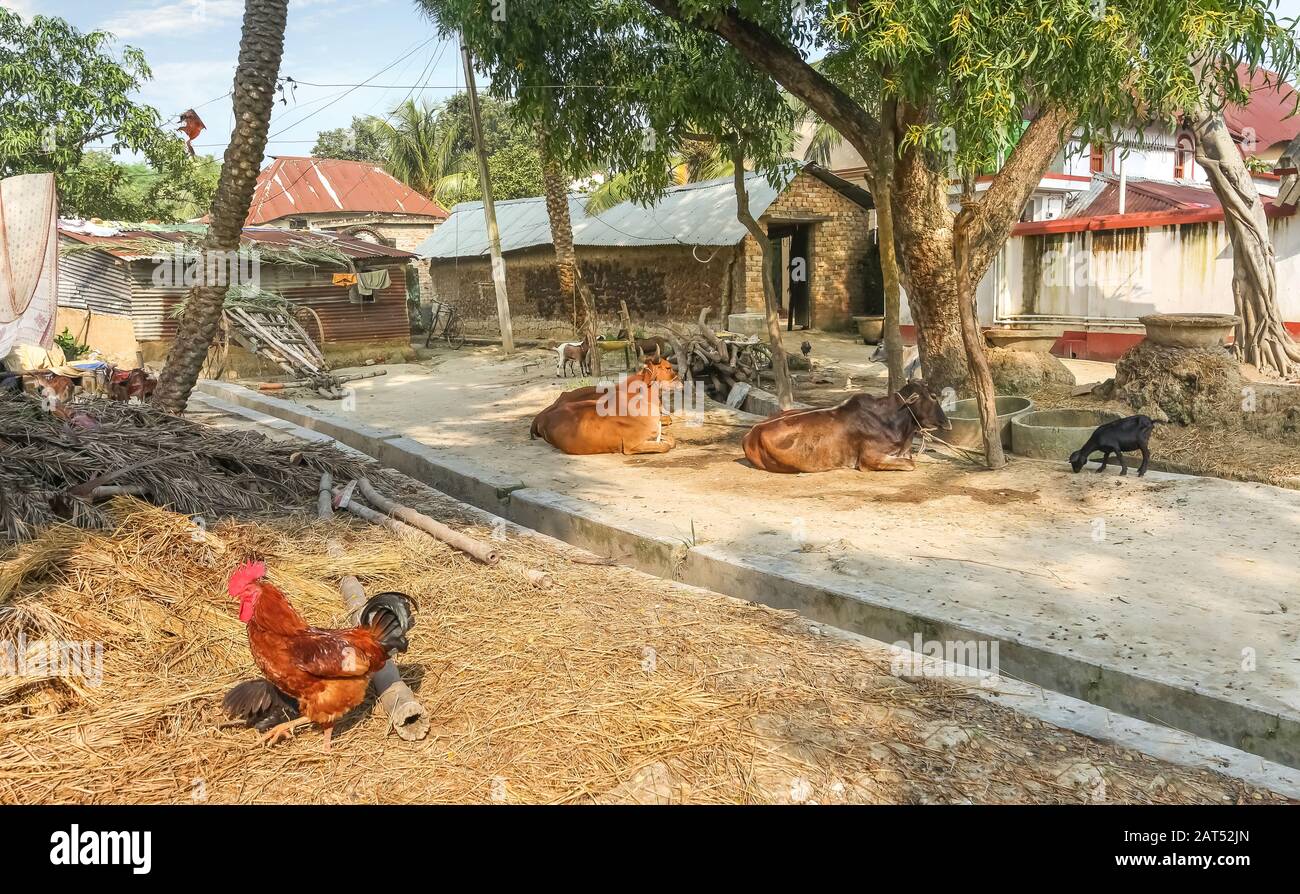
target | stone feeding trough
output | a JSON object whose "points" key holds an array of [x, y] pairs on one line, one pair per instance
{"points": [[1055, 434], [1189, 330], [1030, 340], [965, 419]]}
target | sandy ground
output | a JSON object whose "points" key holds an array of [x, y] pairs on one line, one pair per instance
{"points": [[1184, 579]]}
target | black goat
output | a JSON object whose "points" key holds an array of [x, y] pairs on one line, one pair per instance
{"points": [[1129, 433]]}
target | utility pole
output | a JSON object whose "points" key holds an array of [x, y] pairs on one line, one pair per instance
{"points": [[489, 209]]}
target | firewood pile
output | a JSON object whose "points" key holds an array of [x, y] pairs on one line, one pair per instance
{"points": [[720, 364]]}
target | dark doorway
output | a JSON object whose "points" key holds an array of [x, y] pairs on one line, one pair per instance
{"points": [[792, 272]]}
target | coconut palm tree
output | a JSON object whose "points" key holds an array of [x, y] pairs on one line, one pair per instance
{"points": [[422, 152], [572, 287], [260, 49]]}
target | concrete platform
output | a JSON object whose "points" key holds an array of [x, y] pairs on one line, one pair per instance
{"points": [[1165, 599]]}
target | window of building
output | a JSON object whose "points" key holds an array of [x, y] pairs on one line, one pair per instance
{"points": [[1184, 155], [1097, 158]]}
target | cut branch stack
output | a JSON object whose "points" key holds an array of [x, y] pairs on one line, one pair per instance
{"points": [[703, 357]]}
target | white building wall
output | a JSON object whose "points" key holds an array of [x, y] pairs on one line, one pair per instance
{"points": [[1115, 276], [1112, 277]]}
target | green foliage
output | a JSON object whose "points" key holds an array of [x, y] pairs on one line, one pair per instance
{"points": [[72, 349], [360, 142], [637, 87], [516, 172], [62, 90], [101, 187], [430, 148]]}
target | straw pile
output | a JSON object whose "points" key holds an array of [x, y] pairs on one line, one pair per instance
{"points": [[193, 468], [610, 686]]}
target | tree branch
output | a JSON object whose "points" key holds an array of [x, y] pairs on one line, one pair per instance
{"points": [[787, 68], [999, 209]]}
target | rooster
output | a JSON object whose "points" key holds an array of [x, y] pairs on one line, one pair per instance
{"points": [[312, 675]]}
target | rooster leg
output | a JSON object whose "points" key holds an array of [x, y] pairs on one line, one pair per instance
{"points": [[283, 731], [329, 734]]}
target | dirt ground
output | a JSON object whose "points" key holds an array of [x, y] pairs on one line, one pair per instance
{"points": [[1173, 577], [611, 687]]}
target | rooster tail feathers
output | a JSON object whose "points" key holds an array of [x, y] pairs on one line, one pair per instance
{"points": [[244, 575], [390, 616], [259, 704]]}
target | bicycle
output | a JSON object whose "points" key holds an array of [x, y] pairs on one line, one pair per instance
{"points": [[446, 315]]}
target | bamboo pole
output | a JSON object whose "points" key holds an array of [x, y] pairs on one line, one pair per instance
{"points": [[468, 545]]}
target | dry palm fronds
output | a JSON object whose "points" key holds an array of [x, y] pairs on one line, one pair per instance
{"points": [[612, 686], [193, 468]]}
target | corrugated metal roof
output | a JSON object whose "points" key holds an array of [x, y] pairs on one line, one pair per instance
{"points": [[125, 243], [1143, 196], [293, 185], [694, 214]]}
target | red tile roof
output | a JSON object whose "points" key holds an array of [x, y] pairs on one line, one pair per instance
{"points": [[127, 243], [293, 185], [1269, 112]]}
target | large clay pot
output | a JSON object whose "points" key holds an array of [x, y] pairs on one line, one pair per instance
{"points": [[1189, 330], [872, 329], [968, 431], [1038, 341]]}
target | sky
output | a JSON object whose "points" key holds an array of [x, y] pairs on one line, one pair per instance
{"points": [[192, 47]]}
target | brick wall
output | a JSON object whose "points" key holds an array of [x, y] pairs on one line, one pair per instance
{"points": [[838, 246], [659, 284], [668, 283]]}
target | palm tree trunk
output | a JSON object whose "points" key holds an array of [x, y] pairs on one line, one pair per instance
{"points": [[1260, 338], [780, 366], [260, 49], [573, 289]]}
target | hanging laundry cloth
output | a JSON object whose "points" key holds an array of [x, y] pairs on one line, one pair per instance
{"points": [[369, 281], [345, 279], [29, 260]]}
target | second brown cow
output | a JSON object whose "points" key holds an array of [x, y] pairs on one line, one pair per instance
{"points": [[862, 432]]}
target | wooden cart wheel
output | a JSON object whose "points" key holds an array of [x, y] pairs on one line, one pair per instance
{"points": [[310, 322]]}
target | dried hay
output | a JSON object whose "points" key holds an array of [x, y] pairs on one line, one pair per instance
{"points": [[611, 686], [1183, 385], [193, 468]]}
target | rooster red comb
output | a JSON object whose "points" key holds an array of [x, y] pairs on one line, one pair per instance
{"points": [[244, 575]]}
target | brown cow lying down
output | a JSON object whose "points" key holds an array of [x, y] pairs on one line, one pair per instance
{"points": [[656, 370], [862, 432], [623, 421]]}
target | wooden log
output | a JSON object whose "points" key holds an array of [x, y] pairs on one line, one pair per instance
{"points": [[468, 545], [406, 716]]}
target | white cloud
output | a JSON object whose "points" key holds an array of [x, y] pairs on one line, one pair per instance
{"points": [[180, 16], [187, 16], [25, 8]]}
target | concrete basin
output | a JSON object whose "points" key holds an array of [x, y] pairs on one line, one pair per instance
{"points": [[1189, 330], [965, 419], [1038, 341], [1055, 434]]}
